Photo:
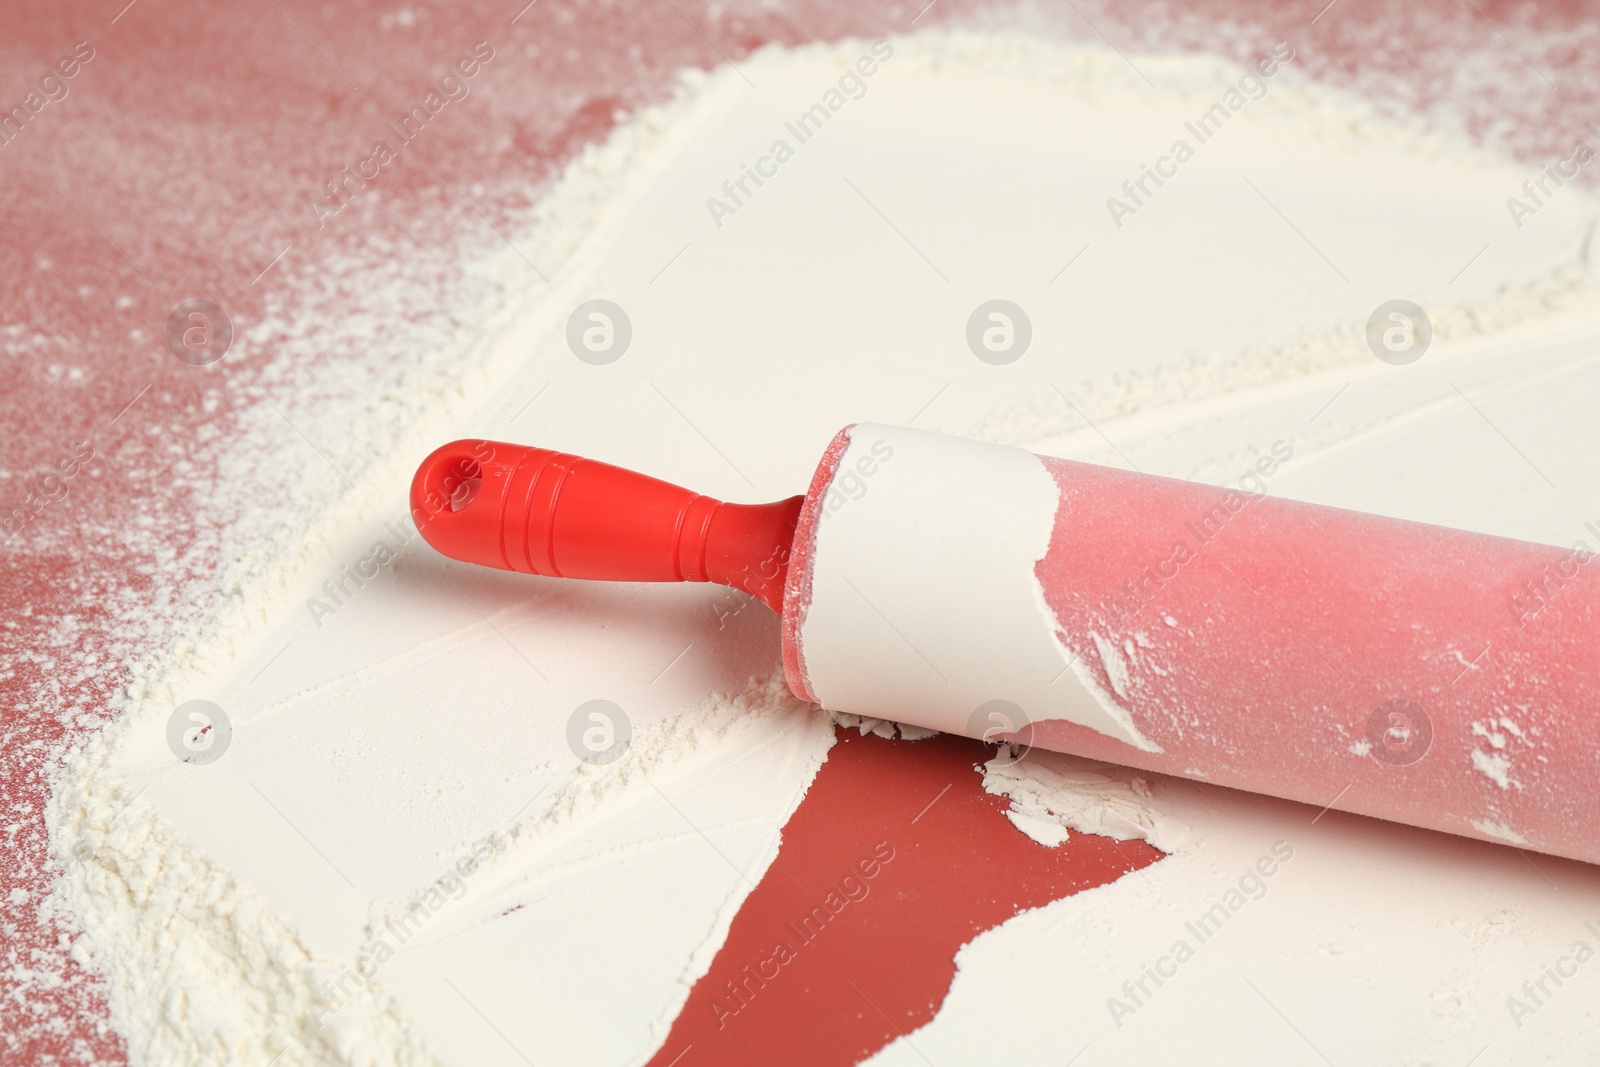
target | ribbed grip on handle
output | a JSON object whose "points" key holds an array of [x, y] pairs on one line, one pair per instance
{"points": [[544, 512]]}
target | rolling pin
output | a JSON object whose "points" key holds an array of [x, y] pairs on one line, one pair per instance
{"points": [[1429, 676]]}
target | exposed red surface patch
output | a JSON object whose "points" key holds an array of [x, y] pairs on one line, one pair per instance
{"points": [[893, 861]]}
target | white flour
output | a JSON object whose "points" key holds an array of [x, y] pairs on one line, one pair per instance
{"points": [[1053, 793], [228, 905]]}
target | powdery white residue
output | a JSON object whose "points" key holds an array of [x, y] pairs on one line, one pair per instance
{"points": [[1498, 830], [1487, 731], [1042, 828], [1073, 662], [1495, 762], [883, 728], [202, 969], [219, 977], [1493, 766], [1361, 748], [1052, 793], [1116, 667], [1108, 703]]}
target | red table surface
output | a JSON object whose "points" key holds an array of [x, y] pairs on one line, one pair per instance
{"points": [[179, 163]]}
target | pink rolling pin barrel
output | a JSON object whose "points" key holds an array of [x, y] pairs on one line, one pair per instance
{"points": [[1425, 675]]}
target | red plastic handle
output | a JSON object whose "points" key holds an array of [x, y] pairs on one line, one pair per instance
{"points": [[539, 511]]}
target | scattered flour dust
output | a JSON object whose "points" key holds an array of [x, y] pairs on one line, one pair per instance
{"points": [[1116, 667], [1498, 738], [203, 970], [867, 726]]}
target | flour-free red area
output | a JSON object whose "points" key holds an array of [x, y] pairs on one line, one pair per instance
{"points": [[894, 860]]}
